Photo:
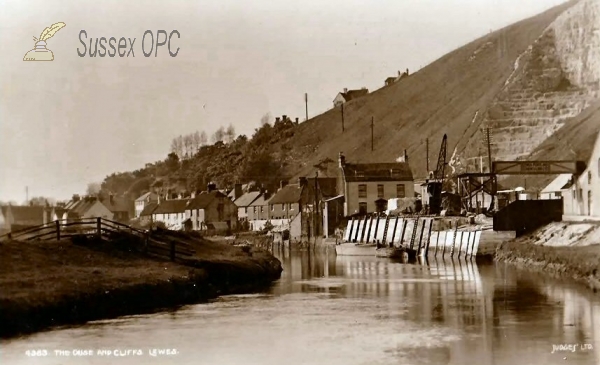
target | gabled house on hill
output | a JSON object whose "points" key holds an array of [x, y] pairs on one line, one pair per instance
{"points": [[244, 202], [367, 187], [82, 207], [258, 210], [142, 201], [347, 95], [212, 208], [120, 206], [171, 213]]}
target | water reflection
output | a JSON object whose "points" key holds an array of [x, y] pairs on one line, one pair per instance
{"points": [[357, 310]]}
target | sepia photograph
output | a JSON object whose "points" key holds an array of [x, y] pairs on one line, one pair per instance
{"points": [[342, 182]]}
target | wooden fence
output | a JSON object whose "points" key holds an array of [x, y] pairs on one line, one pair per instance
{"points": [[102, 228]]}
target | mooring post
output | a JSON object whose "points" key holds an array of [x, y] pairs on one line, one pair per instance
{"points": [[473, 245], [428, 237], [394, 232], [57, 222], [445, 243], [467, 245], [420, 247], [375, 232], [437, 241], [98, 227], [404, 224], [454, 240]]}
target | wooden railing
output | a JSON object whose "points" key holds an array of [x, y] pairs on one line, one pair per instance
{"points": [[101, 228]]}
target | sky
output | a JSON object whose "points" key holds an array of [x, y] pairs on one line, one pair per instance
{"points": [[75, 120]]}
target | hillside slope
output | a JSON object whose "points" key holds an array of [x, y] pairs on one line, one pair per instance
{"points": [[459, 95]]}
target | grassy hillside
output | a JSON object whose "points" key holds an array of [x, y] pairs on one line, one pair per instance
{"points": [[457, 95], [441, 98]]}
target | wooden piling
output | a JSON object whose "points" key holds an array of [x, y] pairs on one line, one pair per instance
{"points": [[454, 240], [364, 228], [437, 241], [428, 238], [404, 224], [445, 239], [467, 245], [376, 228], [368, 231], [420, 247], [394, 232]]}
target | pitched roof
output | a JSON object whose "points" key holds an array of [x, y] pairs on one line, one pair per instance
{"points": [[145, 197], [27, 214], [171, 206], [260, 200], [247, 199], [149, 209], [353, 94], [557, 184], [201, 201], [288, 194], [389, 171], [118, 204]]}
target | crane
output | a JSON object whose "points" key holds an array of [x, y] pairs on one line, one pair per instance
{"points": [[435, 184]]}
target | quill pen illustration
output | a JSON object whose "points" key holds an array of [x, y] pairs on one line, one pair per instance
{"points": [[40, 52], [51, 30]]}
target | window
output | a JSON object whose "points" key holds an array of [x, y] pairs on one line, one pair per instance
{"points": [[380, 191], [261, 209], [362, 190], [254, 210], [272, 207], [282, 207], [400, 191], [246, 210], [362, 208], [290, 207]]}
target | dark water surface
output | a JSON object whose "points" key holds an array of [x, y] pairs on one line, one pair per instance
{"points": [[351, 310]]}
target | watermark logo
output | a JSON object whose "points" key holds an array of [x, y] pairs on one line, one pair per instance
{"points": [[40, 52]]}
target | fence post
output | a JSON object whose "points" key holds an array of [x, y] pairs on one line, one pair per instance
{"points": [[99, 227], [57, 222], [437, 240], [172, 250]]}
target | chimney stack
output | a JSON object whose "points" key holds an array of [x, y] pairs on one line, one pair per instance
{"points": [[283, 118], [277, 120], [297, 120], [302, 181], [342, 160], [237, 191], [282, 184], [345, 90], [405, 156], [211, 187], [76, 197]]}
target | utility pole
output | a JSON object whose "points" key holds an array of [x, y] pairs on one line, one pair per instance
{"points": [[371, 134], [315, 210], [342, 117], [306, 104], [427, 153], [490, 163], [27, 195]]}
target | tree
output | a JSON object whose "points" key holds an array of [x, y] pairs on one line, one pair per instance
{"points": [[179, 146], [93, 188], [203, 139], [219, 135], [230, 134], [187, 144], [196, 141], [172, 162]]}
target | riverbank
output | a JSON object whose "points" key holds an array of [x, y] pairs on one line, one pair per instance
{"points": [[561, 249], [45, 284]]}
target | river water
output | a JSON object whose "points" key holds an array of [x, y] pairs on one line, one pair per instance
{"points": [[350, 310]]}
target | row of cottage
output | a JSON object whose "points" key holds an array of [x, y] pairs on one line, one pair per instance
{"points": [[307, 207]]}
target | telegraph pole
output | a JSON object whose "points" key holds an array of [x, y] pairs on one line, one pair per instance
{"points": [[315, 210], [427, 148], [371, 134], [306, 104], [342, 117]]}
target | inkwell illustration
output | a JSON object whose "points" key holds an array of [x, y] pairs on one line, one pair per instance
{"points": [[40, 52]]}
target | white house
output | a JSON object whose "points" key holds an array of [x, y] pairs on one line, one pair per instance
{"points": [[142, 201], [171, 213], [582, 199], [555, 189]]}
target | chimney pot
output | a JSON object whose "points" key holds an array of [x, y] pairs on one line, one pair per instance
{"points": [[276, 119], [405, 156], [342, 160], [283, 118], [345, 90], [297, 119]]}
